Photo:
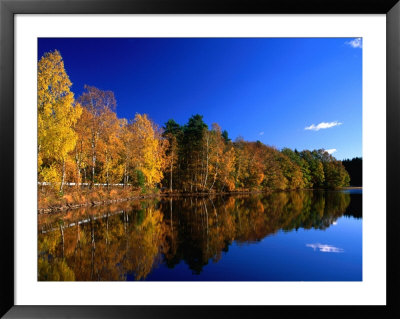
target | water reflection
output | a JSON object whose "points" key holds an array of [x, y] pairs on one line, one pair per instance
{"points": [[129, 240], [325, 248]]}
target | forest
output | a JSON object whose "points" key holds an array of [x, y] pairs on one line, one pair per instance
{"points": [[82, 143]]}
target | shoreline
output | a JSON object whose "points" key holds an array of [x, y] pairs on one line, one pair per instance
{"points": [[71, 206], [352, 187]]}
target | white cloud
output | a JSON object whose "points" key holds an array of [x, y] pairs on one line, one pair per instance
{"points": [[331, 150], [322, 125], [325, 248], [261, 133], [355, 43]]}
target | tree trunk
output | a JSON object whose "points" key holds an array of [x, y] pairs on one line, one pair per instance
{"points": [[207, 159], [170, 180], [63, 175], [93, 167], [107, 171], [215, 176], [93, 160], [124, 175], [78, 171]]}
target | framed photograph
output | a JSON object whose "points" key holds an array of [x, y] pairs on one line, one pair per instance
{"points": [[180, 160]]}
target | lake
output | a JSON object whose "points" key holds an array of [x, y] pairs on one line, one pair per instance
{"points": [[283, 236]]}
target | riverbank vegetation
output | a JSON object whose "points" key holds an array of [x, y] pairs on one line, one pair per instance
{"points": [[82, 143]]}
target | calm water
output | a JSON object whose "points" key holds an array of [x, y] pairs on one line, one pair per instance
{"points": [[286, 236]]}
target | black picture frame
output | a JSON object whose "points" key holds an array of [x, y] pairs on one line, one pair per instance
{"points": [[8, 8]]}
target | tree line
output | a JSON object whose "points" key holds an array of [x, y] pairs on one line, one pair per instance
{"points": [[81, 140]]}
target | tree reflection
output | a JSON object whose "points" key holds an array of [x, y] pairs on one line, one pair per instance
{"points": [[126, 241]]}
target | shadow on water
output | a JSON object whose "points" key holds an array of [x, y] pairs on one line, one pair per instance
{"points": [[127, 241]]}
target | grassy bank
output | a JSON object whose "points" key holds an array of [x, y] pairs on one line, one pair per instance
{"points": [[50, 200]]}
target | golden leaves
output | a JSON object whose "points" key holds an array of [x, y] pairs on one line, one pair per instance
{"points": [[151, 149], [57, 114]]}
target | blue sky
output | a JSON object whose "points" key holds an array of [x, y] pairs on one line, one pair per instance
{"points": [[267, 89]]}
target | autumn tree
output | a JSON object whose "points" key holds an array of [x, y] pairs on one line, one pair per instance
{"points": [[112, 169], [255, 171], [57, 114], [151, 148], [226, 167], [100, 105], [317, 177], [335, 174], [297, 159], [292, 172], [129, 150], [83, 146], [274, 177]]}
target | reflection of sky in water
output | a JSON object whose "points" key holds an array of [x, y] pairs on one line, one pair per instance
{"points": [[325, 248], [285, 256], [352, 191]]}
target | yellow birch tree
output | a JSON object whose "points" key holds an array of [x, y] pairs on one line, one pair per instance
{"points": [[152, 149], [57, 114]]}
